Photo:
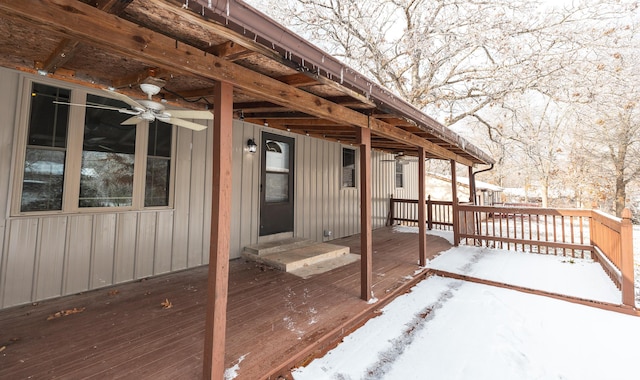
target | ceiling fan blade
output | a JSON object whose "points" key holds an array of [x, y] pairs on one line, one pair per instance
{"points": [[186, 124], [191, 114], [131, 121], [102, 107], [124, 98], [129, 112]]}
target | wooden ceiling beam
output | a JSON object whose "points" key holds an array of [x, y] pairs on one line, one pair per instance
{"points": [[206, 92], [137, 78], [231, 51], [298, 80], [66, 48], [258, 106], [79, 21]]}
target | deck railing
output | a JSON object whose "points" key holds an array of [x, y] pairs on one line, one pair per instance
{"points": [[574, 233], [405, 212]]}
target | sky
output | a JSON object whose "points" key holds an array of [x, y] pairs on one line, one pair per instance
{"points": [[457, 330]]}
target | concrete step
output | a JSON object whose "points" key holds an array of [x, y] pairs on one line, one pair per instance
{"points": [[271, 247], [292, 255]]}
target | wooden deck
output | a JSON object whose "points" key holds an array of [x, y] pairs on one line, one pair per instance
{"points": [[275, 320]]}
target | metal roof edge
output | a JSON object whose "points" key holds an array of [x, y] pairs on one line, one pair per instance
{"points": [[243, 18]]}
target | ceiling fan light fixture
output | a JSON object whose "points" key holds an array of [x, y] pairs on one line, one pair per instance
{"points": [[149, 88], [152, 85]]}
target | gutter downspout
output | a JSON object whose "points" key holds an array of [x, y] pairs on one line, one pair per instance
{"points": [[472, 181]]}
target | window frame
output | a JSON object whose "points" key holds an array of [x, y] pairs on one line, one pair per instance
{"points": [[73, 158], [400, 166], [354, 184]]}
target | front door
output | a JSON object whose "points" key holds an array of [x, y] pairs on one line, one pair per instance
{"points": [[276, 184]]}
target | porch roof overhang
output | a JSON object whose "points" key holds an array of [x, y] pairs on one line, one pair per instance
{"points": [[279, 79]]}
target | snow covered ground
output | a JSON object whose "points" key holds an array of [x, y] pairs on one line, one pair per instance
{"points": [[451, 329]]}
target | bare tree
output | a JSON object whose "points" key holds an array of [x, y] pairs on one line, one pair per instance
{"points": [[474, 65], [450, 58], [607, 96]]}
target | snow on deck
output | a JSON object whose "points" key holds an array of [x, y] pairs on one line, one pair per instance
{"points": [[556, 274]]}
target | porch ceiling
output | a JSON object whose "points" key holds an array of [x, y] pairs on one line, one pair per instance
{"points": [[119, 43]]}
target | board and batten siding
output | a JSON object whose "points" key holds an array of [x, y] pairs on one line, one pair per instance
{"points": [[321, 203], [46, 256]]}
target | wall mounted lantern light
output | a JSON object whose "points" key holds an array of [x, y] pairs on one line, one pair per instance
{"points": [[251, 146]]}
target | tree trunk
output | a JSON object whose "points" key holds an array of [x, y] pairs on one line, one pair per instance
{"points": [[621, 195]]}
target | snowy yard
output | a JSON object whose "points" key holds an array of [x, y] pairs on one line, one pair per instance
{"points": [[451, 329]]}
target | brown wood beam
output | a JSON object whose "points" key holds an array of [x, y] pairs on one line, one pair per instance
{"points": [[137, 78], [454, 199], [258, 107], [78, 20], [115, 7], [231, 51], [308, 122], [422, 215], [364, 139], [66, 48], [298, 80], [218, 277], [472, 186], [60, 55], [208, 92]]}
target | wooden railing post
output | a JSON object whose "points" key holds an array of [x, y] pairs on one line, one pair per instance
{"points": [[392, 211], [429, 213], [626, 244], [456, 223], [454, 199]]}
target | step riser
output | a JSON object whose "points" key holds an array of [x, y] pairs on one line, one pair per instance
{"points": [[295, 255], [275, 247]]}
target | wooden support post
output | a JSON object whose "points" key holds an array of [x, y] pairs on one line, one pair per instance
{"points": [[218, 280], [626, 240], [454, 200], [472, 186], [422, 217], [429, 213], [365, 214]]}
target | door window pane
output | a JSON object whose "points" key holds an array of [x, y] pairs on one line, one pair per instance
{"points": [[277, 156], [277, 171], [277, 187], [107, 156], [46, 149]]}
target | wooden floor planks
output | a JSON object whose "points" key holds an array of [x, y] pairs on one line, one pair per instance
{"points": [[275, 320]]}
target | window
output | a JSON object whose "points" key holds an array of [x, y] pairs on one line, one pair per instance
{"points": [[348, 167], [108, 155], [42, 181], [78, 157], [158, 165], [399, 174]]}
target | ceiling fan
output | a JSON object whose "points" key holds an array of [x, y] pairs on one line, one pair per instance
{"points": [[150, 110], [401, 158]]}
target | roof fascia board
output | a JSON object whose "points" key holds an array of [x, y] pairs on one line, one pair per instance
{"points": [[248, 20]]}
